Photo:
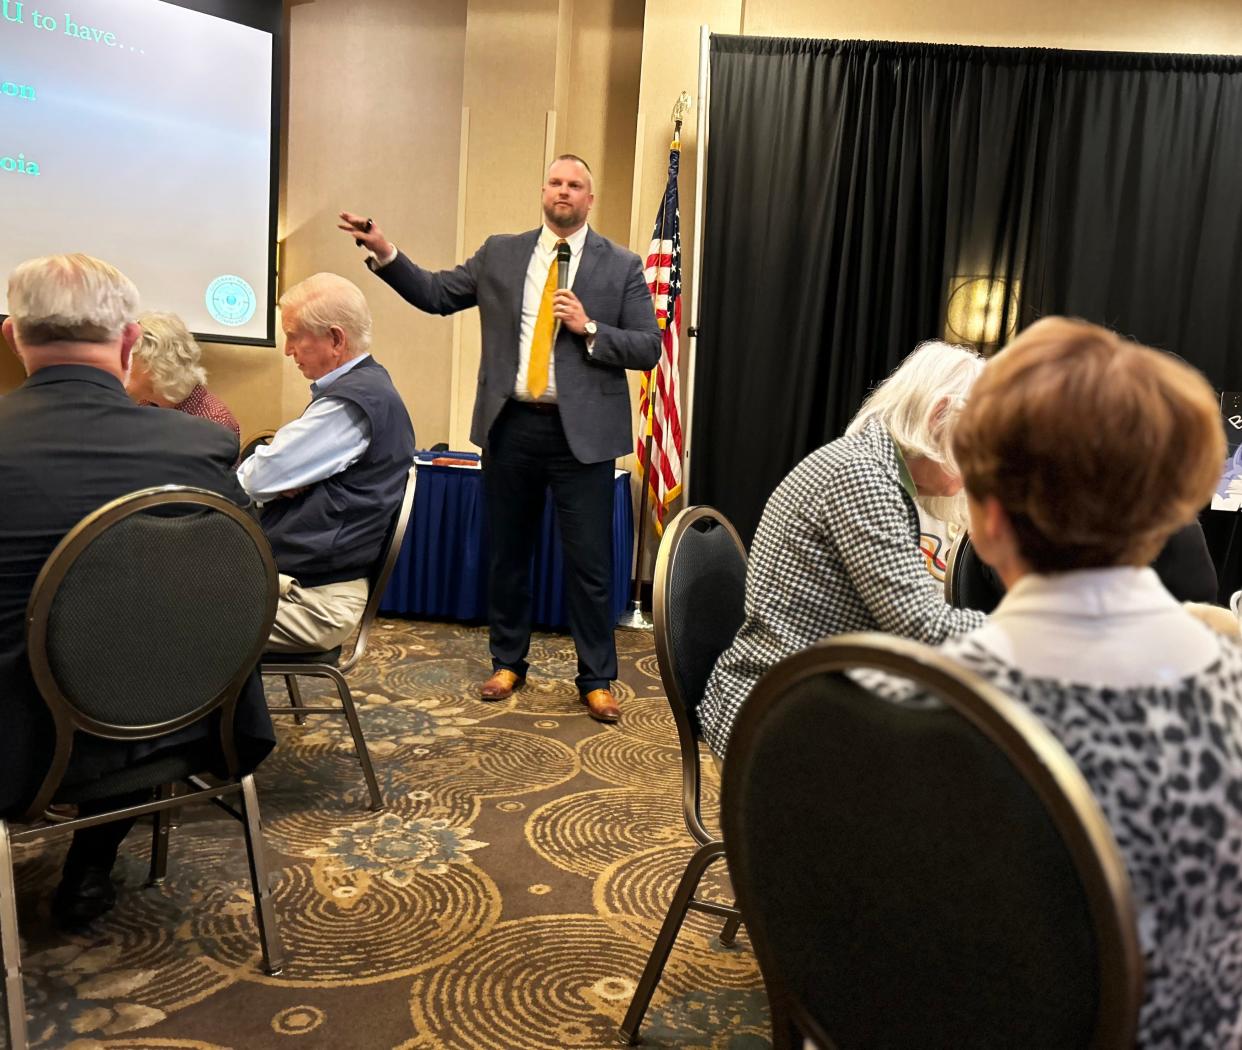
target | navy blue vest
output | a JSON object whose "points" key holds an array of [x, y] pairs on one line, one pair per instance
{"points": [[335, 530]]}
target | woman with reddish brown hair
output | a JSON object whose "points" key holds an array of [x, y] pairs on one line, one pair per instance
{"points": [[1081, 453]]}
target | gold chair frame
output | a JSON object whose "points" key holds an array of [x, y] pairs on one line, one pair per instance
{"points": [[1043, 763]]}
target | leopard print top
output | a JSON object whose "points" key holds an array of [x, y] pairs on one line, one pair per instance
{"points": [[1165, 764]]}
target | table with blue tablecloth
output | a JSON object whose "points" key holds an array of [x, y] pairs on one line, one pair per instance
{"points": [[441, 572]]}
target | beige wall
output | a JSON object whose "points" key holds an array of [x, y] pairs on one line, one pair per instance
{"points": [[510, 87], [11, 371], [1210, 26], [605, 49], [375, 98], [541, 77], [671, 66]]}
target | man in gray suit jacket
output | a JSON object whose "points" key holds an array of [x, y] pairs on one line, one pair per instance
{"points": [[552, 408]]}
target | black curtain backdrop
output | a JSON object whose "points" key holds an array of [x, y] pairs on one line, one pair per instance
{"points": [[851, 185]]}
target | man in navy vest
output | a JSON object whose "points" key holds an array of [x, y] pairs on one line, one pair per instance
{"points": [[330, 481]]}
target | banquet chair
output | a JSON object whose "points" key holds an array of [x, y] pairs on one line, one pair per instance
{"points": [[263, 437], [328, 664], [968, 582], [698, 604], [933, 873], [147, 619], [1183, 565]]}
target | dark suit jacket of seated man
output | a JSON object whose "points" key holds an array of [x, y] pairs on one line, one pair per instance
{"points": [[550, 411], [330, 480], [71, 440]]}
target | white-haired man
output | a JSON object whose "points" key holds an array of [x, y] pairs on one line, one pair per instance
{"points": [[331, 479], [71, 440]]}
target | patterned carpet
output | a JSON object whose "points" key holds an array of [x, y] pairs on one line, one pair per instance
{"points": [[507, 899]]}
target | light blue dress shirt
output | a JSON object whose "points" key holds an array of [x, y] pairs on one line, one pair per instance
{"points": [[331, 435]]}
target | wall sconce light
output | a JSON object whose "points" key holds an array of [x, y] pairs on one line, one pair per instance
{"points": [[975, 308]]}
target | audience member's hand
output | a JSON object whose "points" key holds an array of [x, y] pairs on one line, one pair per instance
{"points": [[1220, 619], [365, 231], [290, 493]]}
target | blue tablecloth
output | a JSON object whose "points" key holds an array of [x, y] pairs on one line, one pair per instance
{"points": [[441, 572]]}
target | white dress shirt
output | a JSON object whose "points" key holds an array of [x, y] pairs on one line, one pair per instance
{"points": [[331, 435], [1113, 627], [542, 259]]}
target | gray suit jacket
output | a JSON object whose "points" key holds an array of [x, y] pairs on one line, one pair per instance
{"points": [[591, 389]]}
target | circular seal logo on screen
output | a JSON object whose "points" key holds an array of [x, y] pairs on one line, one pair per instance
{"points": [[230, 300]]}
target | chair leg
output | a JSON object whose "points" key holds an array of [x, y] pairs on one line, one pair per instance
{"points": [[728, 933], [360, 743], [690, 878], [162, 825], [785, 1034], [295, 697], [14, 1000], [260, 880]]}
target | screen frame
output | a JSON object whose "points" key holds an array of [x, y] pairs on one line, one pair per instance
{"points": [[267, 16]]}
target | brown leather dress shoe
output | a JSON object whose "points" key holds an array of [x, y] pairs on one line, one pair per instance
{"points": [[602, 705], [501, 685]]}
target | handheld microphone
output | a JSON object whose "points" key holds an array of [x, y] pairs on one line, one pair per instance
{"points": [[563, 255]]}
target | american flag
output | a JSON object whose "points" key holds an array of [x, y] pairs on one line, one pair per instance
{"points": [[663, 420]]}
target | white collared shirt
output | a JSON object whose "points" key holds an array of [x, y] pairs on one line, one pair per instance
{"points": [[541, 261], [1114, 627]]}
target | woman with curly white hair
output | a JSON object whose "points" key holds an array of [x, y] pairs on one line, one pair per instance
{"points": [[837, 548], [165, 371]]}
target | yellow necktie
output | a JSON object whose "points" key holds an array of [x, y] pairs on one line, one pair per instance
{"points": [[541, 340]]}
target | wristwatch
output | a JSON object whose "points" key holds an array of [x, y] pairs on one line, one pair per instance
{"points": [[590, 328]]}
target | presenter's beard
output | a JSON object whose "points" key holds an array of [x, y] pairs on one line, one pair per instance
{"points": [[564, 218]]}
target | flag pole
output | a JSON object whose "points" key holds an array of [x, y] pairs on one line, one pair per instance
{"points": [[634, 619]]}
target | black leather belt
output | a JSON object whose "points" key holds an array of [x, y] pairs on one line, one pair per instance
{"points": [[544, 408]]}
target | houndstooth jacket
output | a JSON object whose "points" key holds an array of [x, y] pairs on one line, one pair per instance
{"points": [[837, 550]]}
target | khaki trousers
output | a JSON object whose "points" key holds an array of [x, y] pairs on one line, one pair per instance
{"points": [[311, 619]]}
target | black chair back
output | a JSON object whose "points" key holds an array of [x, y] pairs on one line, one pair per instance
{"points": [[698, 605], [922, 876], [968, 582], [381, 573], [699, 602], [149, 615]]}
